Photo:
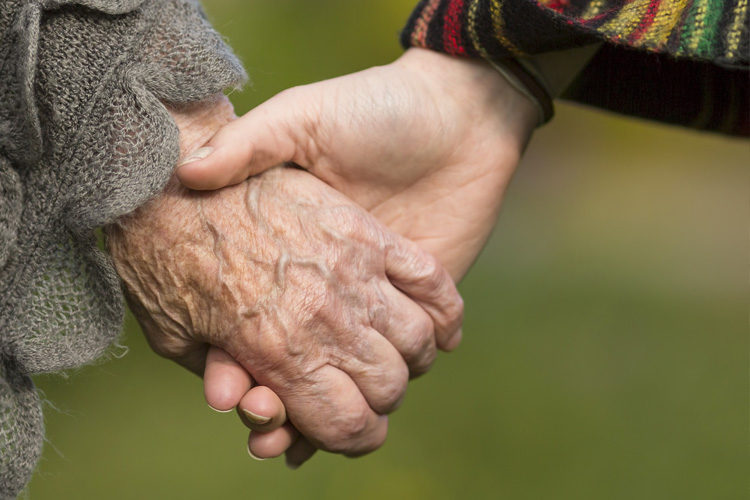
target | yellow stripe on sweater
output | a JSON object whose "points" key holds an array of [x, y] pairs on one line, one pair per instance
{"points": [[498, 26], [666, 19], [700, 26], [473, 8], [593, 9], [735, 32], [627, 22]]}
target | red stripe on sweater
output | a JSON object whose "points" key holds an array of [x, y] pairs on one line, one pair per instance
{"points": [[452, 42], [646, 22], [558, 6]]}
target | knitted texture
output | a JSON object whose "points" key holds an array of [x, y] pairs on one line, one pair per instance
{"points": [[673, 39], [84, 139]]}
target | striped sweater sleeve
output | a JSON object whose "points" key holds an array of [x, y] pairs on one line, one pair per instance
{"points": [[651, 47]]}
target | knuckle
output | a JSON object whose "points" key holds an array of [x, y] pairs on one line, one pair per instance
{"points": [[431, 272], [448, 315], [420, 347], [421, 336], [348, 431], [356, 425], [422, 363], [454, 312], [355, 225], [391, 390]]}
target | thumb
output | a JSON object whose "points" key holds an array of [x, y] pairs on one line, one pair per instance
{"points": [[263, 138], [225, 381]]}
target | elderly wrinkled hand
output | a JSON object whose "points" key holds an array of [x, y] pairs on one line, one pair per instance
{"points": [[310, 294]]}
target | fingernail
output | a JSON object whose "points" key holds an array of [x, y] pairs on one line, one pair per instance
{"points": [[196, 155], [256, 419], [218, 410], [253, 456]]}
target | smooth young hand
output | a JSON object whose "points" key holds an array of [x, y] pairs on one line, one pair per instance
{"points": [[427, 144]]}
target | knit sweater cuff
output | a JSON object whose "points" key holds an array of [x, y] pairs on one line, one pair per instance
{"points": [[684, 63]]}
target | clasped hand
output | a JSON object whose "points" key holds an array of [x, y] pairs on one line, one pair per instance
{"points": [[311, 295], [305, 292]]}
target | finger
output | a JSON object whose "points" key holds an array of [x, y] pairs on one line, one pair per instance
{"points": [[408, 328], [420, 276], [225, 381], [336, 417], [262, 445], [378, 370], [260, 409], [299, 453], [273, 133]]}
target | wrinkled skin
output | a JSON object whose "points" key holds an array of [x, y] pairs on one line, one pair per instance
{"points": [[312, 296], [428, 144]]}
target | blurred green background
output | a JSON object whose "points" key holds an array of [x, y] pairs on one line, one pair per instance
{"points": [[605, 352]]}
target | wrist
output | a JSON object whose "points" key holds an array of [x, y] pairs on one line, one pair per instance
{"points": [[477, 85]]}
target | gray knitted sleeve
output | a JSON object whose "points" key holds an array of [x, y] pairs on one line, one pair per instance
{"points": [[84, 139]]}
